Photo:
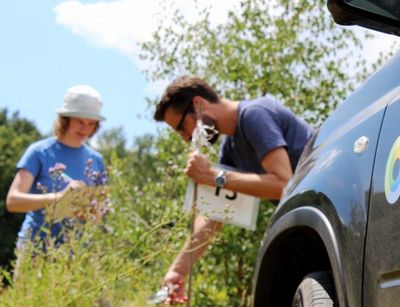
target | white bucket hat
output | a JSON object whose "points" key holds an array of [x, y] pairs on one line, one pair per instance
{"points": [[81, 101]]}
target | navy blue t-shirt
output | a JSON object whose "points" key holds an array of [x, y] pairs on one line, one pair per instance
{"points": [[264, 124]]}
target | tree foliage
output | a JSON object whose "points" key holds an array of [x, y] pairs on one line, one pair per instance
{"points": [[112, 142], [138, 162], [16, 134], [291, 49]]}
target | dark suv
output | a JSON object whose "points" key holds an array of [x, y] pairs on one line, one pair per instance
{"points": [[335, 236]]}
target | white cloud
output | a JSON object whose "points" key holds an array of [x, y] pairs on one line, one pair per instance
{"points": [[121, 24]]}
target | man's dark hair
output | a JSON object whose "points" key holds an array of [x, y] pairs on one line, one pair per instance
{"points": [[180, 93]]}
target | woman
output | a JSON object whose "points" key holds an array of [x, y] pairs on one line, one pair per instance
{"points": [[35, 186]]}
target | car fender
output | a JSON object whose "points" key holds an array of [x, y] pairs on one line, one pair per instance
{"points": [[307, 217]]}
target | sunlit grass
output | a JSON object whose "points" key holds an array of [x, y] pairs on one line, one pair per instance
{"points": [[117, 262], [121, 261]]}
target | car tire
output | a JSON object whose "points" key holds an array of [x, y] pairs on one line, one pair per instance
{"points": [[316, 289]]}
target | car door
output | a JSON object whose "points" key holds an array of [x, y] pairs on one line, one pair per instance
{"points": [[381, 285]]}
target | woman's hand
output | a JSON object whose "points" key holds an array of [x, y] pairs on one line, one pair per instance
{"points": [[72, 186]]}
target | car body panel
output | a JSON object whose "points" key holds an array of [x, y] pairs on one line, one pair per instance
{"points": [[382, 256], [332, 185]]}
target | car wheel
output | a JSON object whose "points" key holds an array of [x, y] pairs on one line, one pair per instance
{"points": [[316, 289]]}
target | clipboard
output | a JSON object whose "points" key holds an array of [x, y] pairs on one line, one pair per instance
{"points": [[79, 200], [224, 205]]}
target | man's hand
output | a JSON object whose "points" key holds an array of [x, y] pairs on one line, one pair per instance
{"points": [[199, 169], [176, 285]]}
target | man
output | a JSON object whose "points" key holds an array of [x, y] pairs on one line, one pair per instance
{"points": [[263, 138]]}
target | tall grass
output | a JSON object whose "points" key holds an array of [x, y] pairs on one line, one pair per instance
{"points": [[121, 261]]}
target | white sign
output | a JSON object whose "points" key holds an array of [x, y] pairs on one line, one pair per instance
{"points": [[223, 205]]}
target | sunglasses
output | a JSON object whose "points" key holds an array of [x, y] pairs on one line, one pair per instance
{"points": [[179, 127]]}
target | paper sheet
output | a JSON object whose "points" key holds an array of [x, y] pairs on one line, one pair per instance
{"points": [[74, 201], [223, 205]]}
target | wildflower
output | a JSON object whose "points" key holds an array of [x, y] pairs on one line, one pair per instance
{"points": [[57, 171], [59, 167], [94, 203], [108, 229], [107, 207], [41, 187], [168, 296], [94, 176], [202, 135], [88, 167], [83, 207], [104, 177], [51, 171]]}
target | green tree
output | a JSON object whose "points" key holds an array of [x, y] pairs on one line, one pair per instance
{"points": [[112, 142], [16, 134], [291, 49], [138, 161], [142, 160]]}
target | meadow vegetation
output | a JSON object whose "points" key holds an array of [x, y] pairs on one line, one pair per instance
{"points": [[121, 261]]}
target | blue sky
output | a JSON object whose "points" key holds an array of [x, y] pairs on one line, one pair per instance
{"points": [[40, 59], [48, 46]]}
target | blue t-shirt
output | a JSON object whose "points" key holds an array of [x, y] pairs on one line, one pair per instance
{"points": [[264, 124], [38, 159]]}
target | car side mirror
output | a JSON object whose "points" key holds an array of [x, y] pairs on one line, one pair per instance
{"points": [[380, 15]]}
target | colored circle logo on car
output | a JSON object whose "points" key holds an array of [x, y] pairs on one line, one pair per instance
{"points": [[392, 173]]}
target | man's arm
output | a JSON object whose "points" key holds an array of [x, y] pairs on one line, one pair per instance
{"points": [[269, 186], [194, 247]]}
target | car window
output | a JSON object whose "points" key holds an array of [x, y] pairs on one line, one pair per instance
{"points": [[386, 8], [380, 15]]}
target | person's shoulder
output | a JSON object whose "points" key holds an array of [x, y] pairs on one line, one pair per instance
{"points": [[269, 102], [43, 144], [266, 102], [38, 149]]}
